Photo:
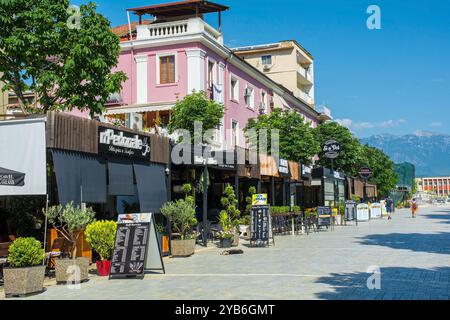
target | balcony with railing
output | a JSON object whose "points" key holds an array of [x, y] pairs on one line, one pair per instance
{"points": [[176, 29], [305, 97], [305, 75]]}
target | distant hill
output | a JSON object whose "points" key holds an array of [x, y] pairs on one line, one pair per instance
{"points": [[429, 152]]}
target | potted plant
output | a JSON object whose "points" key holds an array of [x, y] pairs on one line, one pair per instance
{"points": [[101, 237], [229, 202], [244, 223], [226, 235], [70, 222], [25, 274], [181, 214]]}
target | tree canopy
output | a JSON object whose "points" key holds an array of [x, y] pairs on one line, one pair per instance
{"points": [[382, 167], [296, 137], [196, 108], [63, 55], [352, 154]]}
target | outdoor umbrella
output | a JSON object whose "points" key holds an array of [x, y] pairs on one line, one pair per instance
{"points": [[11, 178]]}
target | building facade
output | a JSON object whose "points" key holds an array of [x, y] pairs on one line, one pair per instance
{"points": [[177, 53], [287, 63], [439, 186]]}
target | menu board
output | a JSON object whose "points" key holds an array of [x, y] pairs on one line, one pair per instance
{"points": [[362, 212], [375, 210], [130, 250], [260, 226], [324, 216]]}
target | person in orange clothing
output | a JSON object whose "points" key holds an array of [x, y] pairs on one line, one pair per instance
{"points": [[414, 207]]}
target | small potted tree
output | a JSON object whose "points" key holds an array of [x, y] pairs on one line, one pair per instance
{"points": [[245, 221], [70, 222], [25, 274], [226, 234], [181, 214], [229, 202], [101, 237]]}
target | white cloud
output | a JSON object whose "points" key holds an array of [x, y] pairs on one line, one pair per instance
{"points": [[359, 126]]}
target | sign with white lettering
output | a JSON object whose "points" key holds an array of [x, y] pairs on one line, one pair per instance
{"points": [[122, 143], [260, 225], [283, 168], [331, 148]]}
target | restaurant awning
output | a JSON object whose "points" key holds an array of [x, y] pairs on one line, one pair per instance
{"points": [[139, 108], [151, 185], [79, 178], [120, 174]]}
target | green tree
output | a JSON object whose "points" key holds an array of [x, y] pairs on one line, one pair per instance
{"points": [[64, 56], [382, 167], [230, 204], [195, 107], [296, 137], [352, 154]]}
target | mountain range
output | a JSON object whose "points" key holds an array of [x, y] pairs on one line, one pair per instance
{"points": [[428, 151]]}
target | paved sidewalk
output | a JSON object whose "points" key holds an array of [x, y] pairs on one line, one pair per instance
{"points": [[412, 256]]}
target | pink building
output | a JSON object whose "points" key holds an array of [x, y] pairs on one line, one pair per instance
{"points": [[176, 53]]}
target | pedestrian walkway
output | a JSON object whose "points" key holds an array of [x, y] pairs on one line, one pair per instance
{"points": [[412, 256]]}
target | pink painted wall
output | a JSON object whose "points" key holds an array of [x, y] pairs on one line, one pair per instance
{"points": [[158, 93]]}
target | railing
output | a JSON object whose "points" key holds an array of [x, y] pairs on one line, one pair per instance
{"points": [[177, 28], [304, 96], [305, 73]]}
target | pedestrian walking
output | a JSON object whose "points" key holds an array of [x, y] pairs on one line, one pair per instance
{"points": [[414, 207], [389, 207]]}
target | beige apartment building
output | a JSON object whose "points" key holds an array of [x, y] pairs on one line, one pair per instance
{"points": [[285, 62]]}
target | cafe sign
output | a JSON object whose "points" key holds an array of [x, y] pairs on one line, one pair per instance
{"points": [[121, 143], [331, 149]]}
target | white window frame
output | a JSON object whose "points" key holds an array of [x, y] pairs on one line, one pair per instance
{"points": [[251, 103], [237, 133], [265, 101], [234, 92], [214, 72], [162, 55]]}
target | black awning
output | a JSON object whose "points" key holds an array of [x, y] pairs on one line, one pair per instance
{"points": [[79, 178], [120, 174], [68, 176], [151, 185], [11, 178], [93, 180]]}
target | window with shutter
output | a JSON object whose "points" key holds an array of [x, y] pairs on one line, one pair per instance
{"points": [[167, 69]]}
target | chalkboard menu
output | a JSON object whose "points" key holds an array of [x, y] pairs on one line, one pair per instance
{"points": [[130, 250], [260, 226], [324, 217]]}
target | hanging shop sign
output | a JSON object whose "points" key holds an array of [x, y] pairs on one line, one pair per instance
{"points": [[136, 247], [375, 210], [331, 148], [324, 216], [23, 167], [122, 143], [260, 226], [198, 155], [362, 212], [259, 199], [306, 172], [365, 173]]}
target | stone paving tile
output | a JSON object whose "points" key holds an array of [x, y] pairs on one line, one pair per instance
{"points": [[413, 257]]}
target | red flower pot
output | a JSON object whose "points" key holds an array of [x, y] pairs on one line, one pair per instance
{"points": [[103, 268]]}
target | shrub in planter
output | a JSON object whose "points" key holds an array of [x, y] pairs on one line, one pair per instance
{"points": [[26, 272], [70, 222], [101, 237], [181, 214], [229, 202], [226, 235]]}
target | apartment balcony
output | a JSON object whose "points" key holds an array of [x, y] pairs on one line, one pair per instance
{"points": [[305, 97], [178, 29], [304, 76]]}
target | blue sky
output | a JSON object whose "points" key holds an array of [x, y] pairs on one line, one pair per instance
{"points": [[394, 80]]}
